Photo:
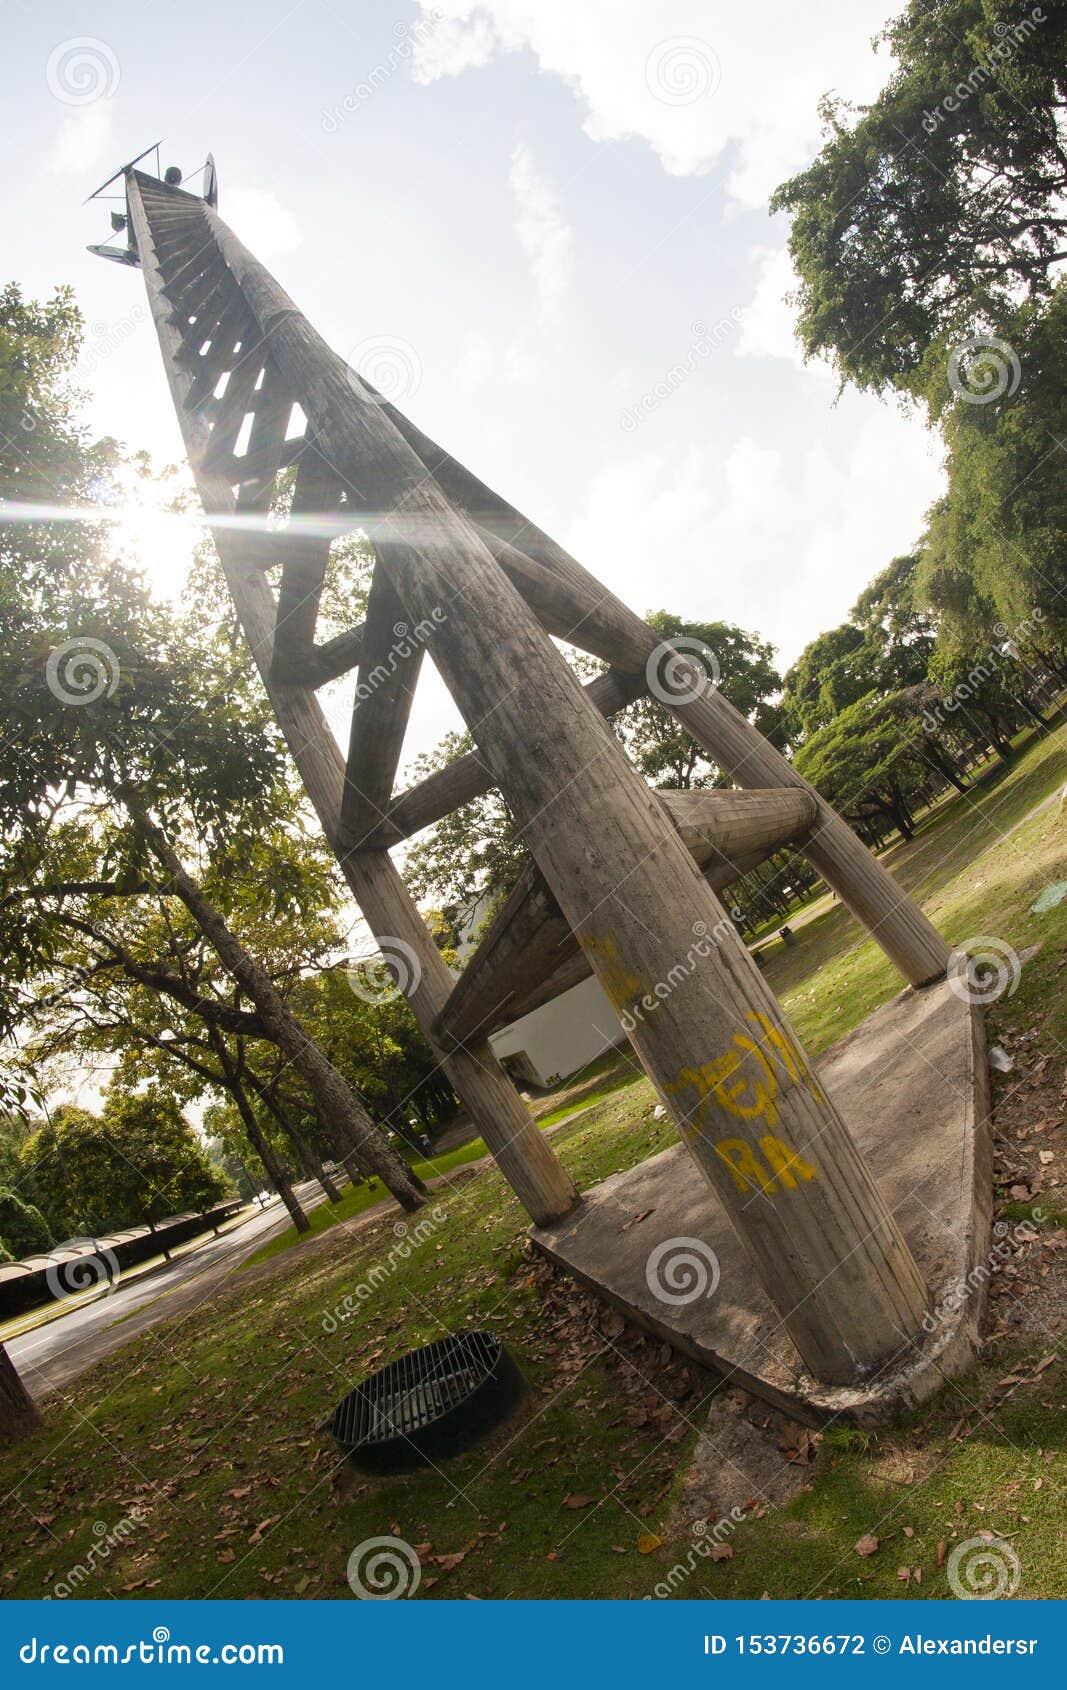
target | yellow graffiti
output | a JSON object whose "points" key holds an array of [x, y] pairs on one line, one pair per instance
{"points": [[722, 1080], [747, 1170], [618, 980], [788, 1164], [745, 1081], [749, 1173], [792, 1057]]}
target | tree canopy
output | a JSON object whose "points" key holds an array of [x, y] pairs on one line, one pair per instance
{"points": [[930, 212], [139, 1160]]}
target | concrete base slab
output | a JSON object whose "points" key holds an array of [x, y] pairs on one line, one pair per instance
{"points": [[912, 1084]]}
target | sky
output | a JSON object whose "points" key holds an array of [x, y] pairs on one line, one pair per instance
{"points": [[541, 227]]}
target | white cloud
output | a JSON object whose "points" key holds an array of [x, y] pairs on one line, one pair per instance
{"points": [[475, 362], [542, 228], [690, 77], [768, 322], [265, 225], [84, 138], [779, 544], [445, 46]]}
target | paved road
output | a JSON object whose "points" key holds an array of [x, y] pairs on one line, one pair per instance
{"points": [[51, 1355]]}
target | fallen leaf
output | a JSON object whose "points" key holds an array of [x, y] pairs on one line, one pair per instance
{"points": [[866, 1545], [647, 1542], [721, 1552], [577, 1499]]}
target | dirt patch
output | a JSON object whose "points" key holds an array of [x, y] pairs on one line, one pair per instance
{"points": [[748, 1458], [1028, 1284]]}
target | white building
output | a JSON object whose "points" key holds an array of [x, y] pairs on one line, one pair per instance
{"points": [[560, 1037]]}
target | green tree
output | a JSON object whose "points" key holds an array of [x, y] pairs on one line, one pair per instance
{"points": [[468, 861], [870, 763], [23, 1228], [994, 565], [146, 721], [468, 858], [930, 212], [138, 1161], [741, 665], [898, 628], [833, 671]]}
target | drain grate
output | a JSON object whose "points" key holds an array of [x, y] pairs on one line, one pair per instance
{"points": [[429, 1404]]}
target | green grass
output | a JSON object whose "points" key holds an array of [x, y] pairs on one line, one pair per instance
{"points": [[589, 1098], [581, 1091], [209, 1422], [968, 876], [355, 1199]]}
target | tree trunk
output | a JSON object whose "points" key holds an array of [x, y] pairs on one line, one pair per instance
{"points": [[941, 758], [18, 1415], [346, 1152], [263, 1148], [1034, 714], [328, 1087], [1053, 663], [312, 1165], [900, 815], [257, 1138]]}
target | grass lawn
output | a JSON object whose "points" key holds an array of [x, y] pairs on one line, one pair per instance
{"points": [[597, 1080], [208, 1423], [607, 1074]]}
